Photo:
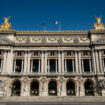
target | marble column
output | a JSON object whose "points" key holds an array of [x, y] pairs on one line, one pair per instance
{"points": [[59, 62], [90, 65], [76, 62], [65, 70], [82, 66], [93, 61], [100, 62], [25, 63], [28, 64], [45, 63], [14, 65], [79, 62], [31, 65], [62, 65], [56, 65], [22, 69], [48, 65], [97, 62], [39, 67], [73, 65], [9, 66], [4, 62], [42, 63]]}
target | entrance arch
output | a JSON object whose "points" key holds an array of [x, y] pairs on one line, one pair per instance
{"points": [[70, 88], [89, 90], [52, 87], [34, 88], [16, 88]]}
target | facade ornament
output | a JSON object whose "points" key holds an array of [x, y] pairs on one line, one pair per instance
{"points": [[98, 25], [2, 85], [102, 84], [6, 24], [25, 80]]}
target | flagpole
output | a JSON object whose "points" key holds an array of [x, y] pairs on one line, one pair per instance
{"points": [[59, 26]]}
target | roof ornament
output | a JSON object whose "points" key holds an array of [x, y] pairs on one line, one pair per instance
{"points": [[6, 25], [98, 25]]}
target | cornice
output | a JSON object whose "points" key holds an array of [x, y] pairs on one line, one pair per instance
{"points": [[51, 32]]}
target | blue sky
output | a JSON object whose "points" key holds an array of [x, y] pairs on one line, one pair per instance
{"points": [[73, 14]]}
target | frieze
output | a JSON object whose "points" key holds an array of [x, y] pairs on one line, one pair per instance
{"points": [[36, 39], [83, 38], [52, 39], [5, 41], [100, 41], [21, 39]]}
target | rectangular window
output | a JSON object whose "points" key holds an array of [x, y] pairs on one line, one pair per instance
{"points": [[35, 65], [86, 65], [52, 65], [18, 67], [69, 65]]}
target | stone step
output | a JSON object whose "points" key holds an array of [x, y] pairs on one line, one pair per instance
{"points": [[52, 99]]}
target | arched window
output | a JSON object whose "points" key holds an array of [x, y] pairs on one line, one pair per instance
{"points": [[89, 90], [70, 88], [34, 88], [16, 88], [52, 88]]}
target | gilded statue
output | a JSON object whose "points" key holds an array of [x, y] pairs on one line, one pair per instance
{"points": [[6, 24], [98, 25]]}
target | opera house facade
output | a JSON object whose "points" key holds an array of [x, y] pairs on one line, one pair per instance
{"points": [[52, 63]]}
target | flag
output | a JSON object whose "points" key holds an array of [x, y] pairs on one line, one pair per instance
{"points": [[56, 22]]}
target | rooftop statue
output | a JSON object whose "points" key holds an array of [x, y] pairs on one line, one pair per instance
{"points": [[6, 24], [98, 25]]}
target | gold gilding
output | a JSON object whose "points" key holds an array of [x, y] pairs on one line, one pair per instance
{"points": [[6, 24], [98, 25]]}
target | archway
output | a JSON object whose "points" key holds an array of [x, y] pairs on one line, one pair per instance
{"points": [[89, 90], [52, 88], [34, 88], [16, 88], [70, 88]]}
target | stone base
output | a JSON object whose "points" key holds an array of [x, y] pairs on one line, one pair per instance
{"points": [[103, 92]]}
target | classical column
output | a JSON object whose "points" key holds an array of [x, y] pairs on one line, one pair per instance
{"points": [[56, 66], [25, 62], [22, 69], [39, 66], [62, 62], [45, 63], [79, 62], [73, 65], [1, 65], [14, 67], [65, 65], [4, 63], [9, 65], [82, 66], [31, 65], [48, 66], [76, 62], [28, 64], [90, 65], [97, 61], [59, 62], [100, 61], [42, 63], [93, 61]]}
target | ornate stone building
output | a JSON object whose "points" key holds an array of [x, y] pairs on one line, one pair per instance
{"points": [[59, 63]]}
